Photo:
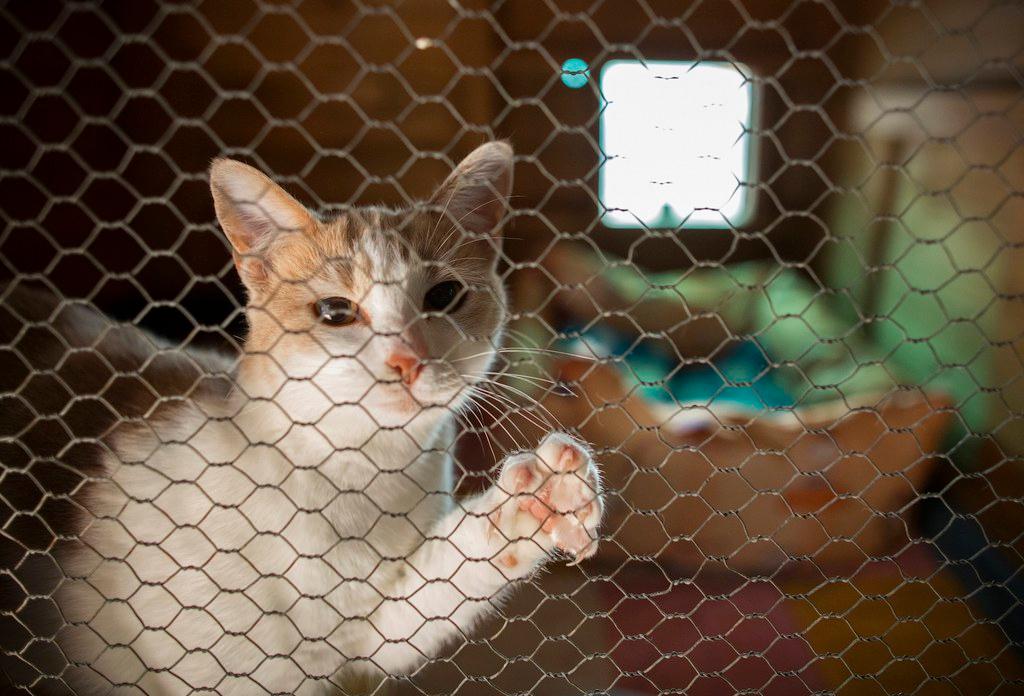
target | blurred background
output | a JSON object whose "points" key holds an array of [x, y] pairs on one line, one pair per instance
{"points": [[767, 256]]}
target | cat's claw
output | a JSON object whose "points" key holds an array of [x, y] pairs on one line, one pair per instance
{"points": [[556, 498]]}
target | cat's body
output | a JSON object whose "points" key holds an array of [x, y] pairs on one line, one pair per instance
{"points": [[284, 524]]}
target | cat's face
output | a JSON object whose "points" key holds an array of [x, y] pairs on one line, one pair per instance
{"points": [[391, 313]]}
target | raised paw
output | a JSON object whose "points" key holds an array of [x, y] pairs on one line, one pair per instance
{"points": [[555, 498]]}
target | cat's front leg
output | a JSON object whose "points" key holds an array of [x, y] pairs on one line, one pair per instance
{"points": [[543, 502], [546, 500]]}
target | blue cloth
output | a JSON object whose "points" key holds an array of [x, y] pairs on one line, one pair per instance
{"points": [[739, 376]]}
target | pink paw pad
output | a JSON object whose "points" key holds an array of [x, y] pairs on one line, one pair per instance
{"points": [[568, 496], [557, 488]]}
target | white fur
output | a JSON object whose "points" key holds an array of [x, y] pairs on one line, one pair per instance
{"points": [[283, 540]]}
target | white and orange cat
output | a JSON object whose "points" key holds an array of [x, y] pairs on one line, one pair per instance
{"points": [[300, 527]]}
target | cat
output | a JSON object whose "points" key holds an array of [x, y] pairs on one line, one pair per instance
{"points": [[289, 523]]}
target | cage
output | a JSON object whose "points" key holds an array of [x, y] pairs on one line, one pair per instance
{"points": [[754, 264]]}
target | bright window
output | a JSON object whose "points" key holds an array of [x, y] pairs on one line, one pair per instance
{"points": [[677, 138]]}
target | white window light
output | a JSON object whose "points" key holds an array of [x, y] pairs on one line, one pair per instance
{"points": [[677, 138]]}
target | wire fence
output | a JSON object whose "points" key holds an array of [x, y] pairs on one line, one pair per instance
{"points": [[403, 347]]}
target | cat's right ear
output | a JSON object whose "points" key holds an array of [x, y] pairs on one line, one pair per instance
{"points": [[252, 209]]}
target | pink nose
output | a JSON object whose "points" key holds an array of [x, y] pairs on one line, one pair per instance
{"points": [[406, 364]]}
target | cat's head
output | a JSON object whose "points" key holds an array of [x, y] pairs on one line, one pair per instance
{"points": [[389, 311]]}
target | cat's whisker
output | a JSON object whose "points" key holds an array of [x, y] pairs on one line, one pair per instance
{"points": [[524, 411], [516, 375], [470, 212], [505, 402], [529, 342], [520, 442], [548, 351], [523, 336], [498, 418], [540, 382], [549, 386], [496, 410], [508, 402], [479, 428], [488, 435], [441, 217], [545, 351], [525, 396], [450, 252]]}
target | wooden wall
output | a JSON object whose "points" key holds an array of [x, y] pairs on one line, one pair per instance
{"points": [[112, 112]]}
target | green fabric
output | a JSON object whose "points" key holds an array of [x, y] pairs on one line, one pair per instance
{"points": [[936, 295], [816, 342]]}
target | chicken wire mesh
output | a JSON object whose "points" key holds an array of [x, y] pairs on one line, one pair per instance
{"points": [[807, 414]]}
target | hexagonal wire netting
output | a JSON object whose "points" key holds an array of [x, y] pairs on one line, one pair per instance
{"points": [[803, 389]]}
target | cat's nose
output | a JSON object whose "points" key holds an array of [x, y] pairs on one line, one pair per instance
{"points": [[406, 363]]}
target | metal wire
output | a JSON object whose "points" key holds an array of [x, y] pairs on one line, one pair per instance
{"points": [[808, 422]]}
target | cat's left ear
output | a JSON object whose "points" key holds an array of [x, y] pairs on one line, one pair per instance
{"points": [[475, 196]]}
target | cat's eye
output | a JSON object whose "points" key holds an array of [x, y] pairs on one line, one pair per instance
{"points": [[446, 296], [336, 311]]}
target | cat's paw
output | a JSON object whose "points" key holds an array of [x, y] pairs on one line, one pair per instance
{"points": [[554, 500]]}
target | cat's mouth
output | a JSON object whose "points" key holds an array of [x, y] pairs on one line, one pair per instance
{"points": [[400, 398], [393, 396]]}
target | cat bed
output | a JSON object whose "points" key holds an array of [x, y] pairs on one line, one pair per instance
{"points": [[754, 489], [739, 418]]}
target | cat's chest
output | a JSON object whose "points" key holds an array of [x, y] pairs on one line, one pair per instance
{"points": [[251, 535], [297, 496]]}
